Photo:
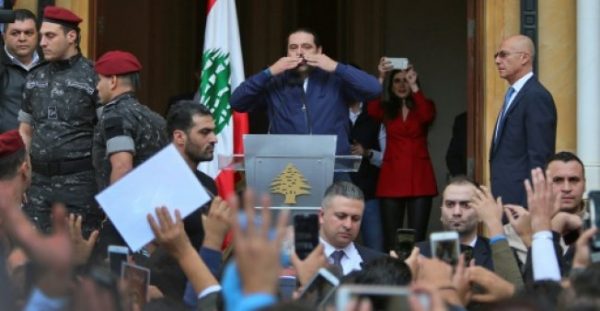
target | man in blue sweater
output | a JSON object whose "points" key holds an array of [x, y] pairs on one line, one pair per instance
{"points": [[306, 92]]}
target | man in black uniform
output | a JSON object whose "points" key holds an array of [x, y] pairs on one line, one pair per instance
{"points": [[17, 58], [127, 133], [57, 118]]}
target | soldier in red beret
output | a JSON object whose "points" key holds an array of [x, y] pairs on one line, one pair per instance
{"points": [[59, 98], [127, 133]]}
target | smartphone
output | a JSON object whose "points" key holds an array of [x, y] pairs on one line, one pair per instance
{"points": [[320, 288], [381, 297], [594, 210], [399, 62], [445, 246], [137, 279], [306, 234], [117, 254], [405, 242]]}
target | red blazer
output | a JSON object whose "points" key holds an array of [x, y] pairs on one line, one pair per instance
{"points": [[406, 170]]}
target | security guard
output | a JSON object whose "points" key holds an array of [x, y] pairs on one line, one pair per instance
{"points": [[127, 133], [57, 116]]}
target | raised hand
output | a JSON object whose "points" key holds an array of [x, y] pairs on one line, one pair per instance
{"points": [[217, 223], [520, 219], [494, 287], [285, 63], [321, 61], [82, 248], [541, 199], [258, 257], [305, 269], [170, 234], [384, 68], [488, 210]]}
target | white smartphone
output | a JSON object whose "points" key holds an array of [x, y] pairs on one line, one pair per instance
{"points": [[399, 62], [445, 246], [381, 297], [320, 287], [116, 255]]}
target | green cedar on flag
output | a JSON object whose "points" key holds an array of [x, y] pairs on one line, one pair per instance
{"points": [[222, 72]]}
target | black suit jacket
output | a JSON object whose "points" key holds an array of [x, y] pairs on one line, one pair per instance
{"points": [[368, 254], [527, 141], [365, 131], [482, 252]]}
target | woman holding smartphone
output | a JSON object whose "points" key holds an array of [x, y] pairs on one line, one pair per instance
{"points": [[406, 182]]}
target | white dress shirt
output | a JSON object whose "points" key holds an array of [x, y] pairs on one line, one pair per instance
{"points": [[351, 260]]}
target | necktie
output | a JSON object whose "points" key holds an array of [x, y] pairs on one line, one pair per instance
{"points": [[500, 126], [337, 259]]}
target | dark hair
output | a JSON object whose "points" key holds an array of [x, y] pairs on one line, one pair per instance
{"points": [[384, 271], [22, 15], [586, 284], [133, 78], [9, 164], [308, 31], [462, 180], [181, 114], [66, 30], [393, 104], [565, 156], [345, 189]]}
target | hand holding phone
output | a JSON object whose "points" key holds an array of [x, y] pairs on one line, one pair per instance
{"points": [[405, 242], [445, 246], [400, 63], [117, 254], [306, 234]]}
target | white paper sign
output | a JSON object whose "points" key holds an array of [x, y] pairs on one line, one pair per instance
{"points": [[163, 180]]}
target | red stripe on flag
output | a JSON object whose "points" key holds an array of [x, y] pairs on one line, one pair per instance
{"points": [[240, 127], [209, 5]]}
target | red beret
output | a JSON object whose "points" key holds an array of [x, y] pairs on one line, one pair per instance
{"points": [[117, 63], [10, 142], [61, 16]]}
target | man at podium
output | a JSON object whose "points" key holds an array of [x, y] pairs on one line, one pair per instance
{"points": [[306, 92]]}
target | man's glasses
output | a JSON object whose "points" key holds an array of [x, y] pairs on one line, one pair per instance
{"points": [[503, 54]]}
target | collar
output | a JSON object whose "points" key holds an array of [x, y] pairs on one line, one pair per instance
{"points": [[66, 63], [350, 250], [473, 242], [518, 85], [354, 115], [122, 96], [35, 59]]}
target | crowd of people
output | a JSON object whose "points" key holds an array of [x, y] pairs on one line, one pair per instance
{"points": [[71, 127]]}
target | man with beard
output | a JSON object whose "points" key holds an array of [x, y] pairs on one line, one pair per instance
{"points": [[306, 92], [458, 215], [191, 128]]}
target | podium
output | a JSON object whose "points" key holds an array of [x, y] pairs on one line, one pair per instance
{"points": [[295, 170]]}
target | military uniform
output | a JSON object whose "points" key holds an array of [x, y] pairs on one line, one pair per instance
{"points": [[126, 126], [59, 102]]}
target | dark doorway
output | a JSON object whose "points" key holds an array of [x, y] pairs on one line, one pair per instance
{"points": [[166, 36]]}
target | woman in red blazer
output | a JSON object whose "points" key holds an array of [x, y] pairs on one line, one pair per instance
{"points": [[406, 180]]}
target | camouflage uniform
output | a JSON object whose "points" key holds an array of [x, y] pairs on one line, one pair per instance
{"points": [[126, 126], [59, 102]]}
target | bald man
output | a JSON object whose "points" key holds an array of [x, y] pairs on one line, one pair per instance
{"points": [[525, 132]]}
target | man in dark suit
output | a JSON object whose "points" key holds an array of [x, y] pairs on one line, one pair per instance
{"points": [[458, 215], [525, 132], [340, 218]]}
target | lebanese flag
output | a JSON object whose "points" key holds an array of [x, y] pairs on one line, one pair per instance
{"points": [[222, 72]]}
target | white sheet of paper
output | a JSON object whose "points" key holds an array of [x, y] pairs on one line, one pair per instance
{"points": [[165, 179]]}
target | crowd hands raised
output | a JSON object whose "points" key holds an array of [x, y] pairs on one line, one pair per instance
{"points": [[250, 279]]}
